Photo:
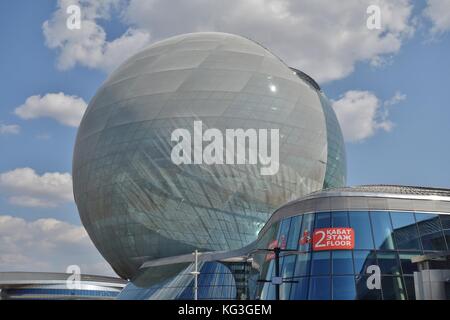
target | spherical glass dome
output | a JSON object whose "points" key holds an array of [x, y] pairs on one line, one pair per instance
{"points": [[138, 202]]}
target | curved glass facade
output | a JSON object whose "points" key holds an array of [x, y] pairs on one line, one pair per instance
{"points": [[138, 205], [386, 239], [215, 282], [336, 173]]}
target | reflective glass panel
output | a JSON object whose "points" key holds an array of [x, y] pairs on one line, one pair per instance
{"points": [[285, 289], [445, 220], [342, 262], [340, 219], [363, 259], [362, 290], [294, 232], [299, 290], [405, 260], [388, 262], [382, 230], [288, 266], [323, 220], [409, 285], [320, 263], [319, 288], [306, 232], [360, 222], [303, 264], [344, 288], [393, 288], [405, 231], [430, 231], [284, 232]]}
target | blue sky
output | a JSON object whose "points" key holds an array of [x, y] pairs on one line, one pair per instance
{"points": [[407, 139]]}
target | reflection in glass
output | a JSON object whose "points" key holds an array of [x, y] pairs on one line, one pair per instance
{"points": [[405, 260], [284, 231], [388, 262], [323, 220], [340, 219], [360, 222], [445, 220], [363, 292], [342, 262], [393, 288], [306, 232], [303, 264], [288, 265], [319, 288], [363, 259], [344, 288], [382, 230], [320, 263], [430, 231], [294, 233], [410, 289], [405, 230], [299, 290]]}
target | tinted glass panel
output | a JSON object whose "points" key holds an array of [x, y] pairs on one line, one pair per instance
{"points": [[405, 230], [306, 232], [447, 236], [342, 262], [362, 291], [393, 288], [299, 290], [319, 288], [445, 220], [405, 260], [285, 290], [430, 231], [320, 263], [284, 231], [288, 266], [363, 259], [340, 219], [344, 288], [409, 285], [388, 263], [303, 264], [294, 232], [323, 220], [360, 222], [382, 230]]}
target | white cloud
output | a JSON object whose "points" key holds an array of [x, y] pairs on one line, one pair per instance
{"points": [[9, 128], [396, 98], [438, 11], [88, 46], [361, 114], [24, 187], [320, 37], [65, 109], [47, 245]]}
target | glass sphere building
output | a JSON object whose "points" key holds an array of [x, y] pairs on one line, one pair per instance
{"points": [[138, 205]]}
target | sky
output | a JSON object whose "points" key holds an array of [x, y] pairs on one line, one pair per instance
{"points": [[389, 87]]}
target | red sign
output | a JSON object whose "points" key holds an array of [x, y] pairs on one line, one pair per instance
{"points": [[333, 239]]}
